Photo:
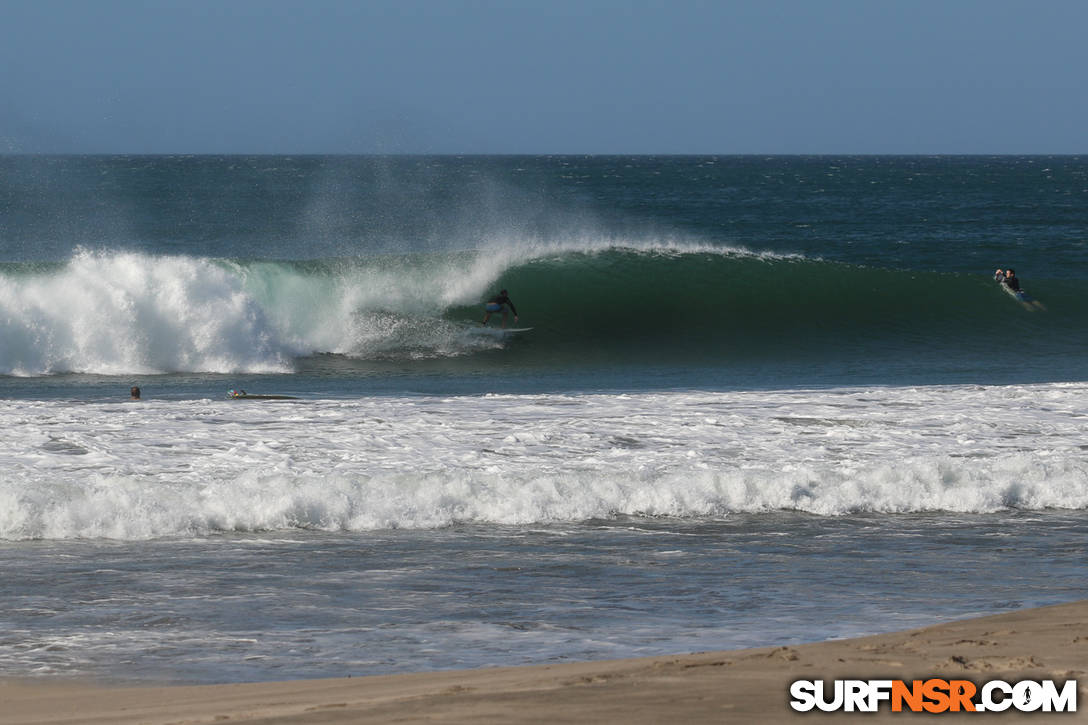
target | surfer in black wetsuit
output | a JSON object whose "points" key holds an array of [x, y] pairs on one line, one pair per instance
{"points": [[500, 303], [1011, 281], [1008, 278]]}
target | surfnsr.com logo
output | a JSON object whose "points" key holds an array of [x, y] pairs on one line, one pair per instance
{"points": [[933, 695]]}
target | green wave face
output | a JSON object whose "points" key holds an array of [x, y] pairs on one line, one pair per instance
{"points": [[613, 305], [735, 305]]}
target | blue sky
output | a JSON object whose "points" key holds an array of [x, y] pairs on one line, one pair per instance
{"points": [[543, 76]]}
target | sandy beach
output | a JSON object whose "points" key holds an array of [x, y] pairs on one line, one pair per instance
{"points": [[736, 686]]}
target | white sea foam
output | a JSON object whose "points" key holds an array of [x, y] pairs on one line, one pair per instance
{"points": [[134, 313], [153, 469]]}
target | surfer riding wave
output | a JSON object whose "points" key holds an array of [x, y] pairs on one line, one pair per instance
{"points": [[500, 303]]}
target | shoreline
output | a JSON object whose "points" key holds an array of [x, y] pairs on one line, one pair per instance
{"points": [[749, 685]]}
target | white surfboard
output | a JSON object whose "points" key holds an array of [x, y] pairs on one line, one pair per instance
{"points": [[1029, 302], [498, 331]]}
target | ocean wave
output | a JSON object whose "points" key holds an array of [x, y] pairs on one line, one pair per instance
{"points": [[117, 507], [115, 313], [109, 312]]}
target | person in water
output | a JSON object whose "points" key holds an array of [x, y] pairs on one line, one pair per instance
{"points": [[500, 303], [1011, 280]]}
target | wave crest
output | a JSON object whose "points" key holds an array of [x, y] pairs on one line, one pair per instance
{"points": [[133, 313]]}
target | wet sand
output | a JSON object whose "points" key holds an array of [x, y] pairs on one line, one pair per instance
{"points": [[737, 686]]}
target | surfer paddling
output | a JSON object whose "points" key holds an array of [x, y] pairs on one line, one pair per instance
{"points": [[1008, 278], [500, 303], [1011, 283]]}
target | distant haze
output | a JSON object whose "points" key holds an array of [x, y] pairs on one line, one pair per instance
{"points": [[543, 76]]}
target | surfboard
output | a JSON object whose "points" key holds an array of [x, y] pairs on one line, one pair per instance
{"points": [[266, 397], [243, 395], [1028, 302], [498, 331]]}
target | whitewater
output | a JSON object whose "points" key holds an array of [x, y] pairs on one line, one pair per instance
{"points": [[163, 469]]}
